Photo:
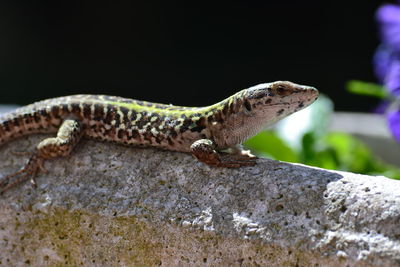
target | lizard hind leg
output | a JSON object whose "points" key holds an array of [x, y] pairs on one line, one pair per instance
{"points": [[68, 135]]}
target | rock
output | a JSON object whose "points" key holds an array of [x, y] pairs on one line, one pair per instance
{"points": [[109, 205]]}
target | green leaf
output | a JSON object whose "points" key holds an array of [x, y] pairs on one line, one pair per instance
{"points": [[268, 143], [315, 152], [365, 88], [352, 154]]}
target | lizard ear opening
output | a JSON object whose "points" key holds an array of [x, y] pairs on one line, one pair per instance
{"points": [[247, 105]]}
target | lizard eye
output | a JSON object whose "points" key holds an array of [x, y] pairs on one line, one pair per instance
{"points": [[282, 91]]}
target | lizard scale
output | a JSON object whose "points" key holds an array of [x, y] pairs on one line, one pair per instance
{"points": [[203, 131]]}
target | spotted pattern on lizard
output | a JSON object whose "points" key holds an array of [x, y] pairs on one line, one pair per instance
{"points": [[202, 131]]}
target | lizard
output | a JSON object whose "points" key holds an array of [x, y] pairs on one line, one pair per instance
{"points": [[208, 133]]}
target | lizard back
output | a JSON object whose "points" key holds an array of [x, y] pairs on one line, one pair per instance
{"points": [[127, 121], [110, 118]]}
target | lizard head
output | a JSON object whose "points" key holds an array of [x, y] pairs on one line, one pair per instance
{"points": [[271, 102], [260, 106], [249, 111]]}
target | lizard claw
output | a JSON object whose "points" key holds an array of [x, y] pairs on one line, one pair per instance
{"points": [[204, 151]]}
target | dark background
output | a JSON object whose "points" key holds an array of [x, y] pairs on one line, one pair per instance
{"points": [[185, 53]]}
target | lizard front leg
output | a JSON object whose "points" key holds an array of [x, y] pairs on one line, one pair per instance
{"points": [[68, 135], [204, 150]]}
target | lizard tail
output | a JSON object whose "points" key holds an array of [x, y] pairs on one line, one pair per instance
{"points": [[16, 124]]}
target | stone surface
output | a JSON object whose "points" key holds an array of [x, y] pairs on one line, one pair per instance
{"points": [[108, 205]]}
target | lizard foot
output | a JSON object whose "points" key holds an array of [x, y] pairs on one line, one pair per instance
{"points": [[204, 151], [29, 171]]}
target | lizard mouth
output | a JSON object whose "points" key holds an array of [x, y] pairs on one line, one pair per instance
{"points": [[282, 104], [297, 102]]}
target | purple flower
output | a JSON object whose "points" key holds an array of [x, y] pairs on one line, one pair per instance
{"points": [[387, 69], [387, 60], [388, 17], [382, 60], [387, 57], [392, 79]]}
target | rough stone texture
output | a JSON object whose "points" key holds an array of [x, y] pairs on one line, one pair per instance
{"points": [[109, 205]]}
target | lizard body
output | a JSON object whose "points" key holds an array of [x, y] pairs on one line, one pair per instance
{"points": [[202, 131]]}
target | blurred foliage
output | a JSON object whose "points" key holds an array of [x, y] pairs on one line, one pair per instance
{"points": [[390, 100], [367, 89], [304, 138]]}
